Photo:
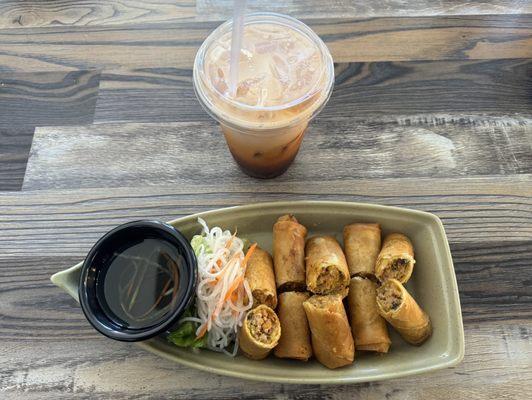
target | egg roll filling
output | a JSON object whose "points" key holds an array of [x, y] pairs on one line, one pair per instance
{"points": [[261, 297], [390, 297], [398, 268], [329, 280], [261, 323]]}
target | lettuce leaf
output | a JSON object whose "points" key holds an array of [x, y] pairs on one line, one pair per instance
{"points": [[197, 242], [185, 334]]}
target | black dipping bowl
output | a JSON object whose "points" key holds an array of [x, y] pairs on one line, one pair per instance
{"points": [[98, 260]]}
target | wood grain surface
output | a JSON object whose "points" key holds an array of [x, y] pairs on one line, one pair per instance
{"points": [[48, 98], [222, 9], [14, 151], [365, 89], [17, 14], [68, 222], [96, 367], [422, 146], [173, 45], [432, 110]]}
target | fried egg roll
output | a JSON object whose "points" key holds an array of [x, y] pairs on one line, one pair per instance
{"points": [[327, 271], [362, 243], [259, 333], [289, 254], [368, 327], [295, 340], [396, 258], [259, 274], [400, 309], [332, 341]]}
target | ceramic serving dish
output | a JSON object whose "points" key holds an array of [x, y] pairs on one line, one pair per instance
{"points": [[433, 285]]}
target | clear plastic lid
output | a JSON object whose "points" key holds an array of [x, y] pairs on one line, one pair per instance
{"points": [[286, 74]]}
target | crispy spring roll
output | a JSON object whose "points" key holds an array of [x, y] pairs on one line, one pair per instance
{"points": [[332, 341], [289, 254], [259, 274], [403, 313], [295, 340], [396, 258], [362, 243], [327, 271], [259, 333], [368, 327]]}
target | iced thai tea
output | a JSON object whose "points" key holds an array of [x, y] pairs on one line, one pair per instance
{"points": [[285, 77]]}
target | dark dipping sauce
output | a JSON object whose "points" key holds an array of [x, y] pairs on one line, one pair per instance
{"points": [[138, 280], [141, 283]]}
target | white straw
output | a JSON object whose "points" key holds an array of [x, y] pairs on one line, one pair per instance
{"points": [[236, 44]]}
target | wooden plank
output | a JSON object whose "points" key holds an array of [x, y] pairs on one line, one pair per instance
{"points": [[16, 14], [173, 45], [47, 98], [27, 14], [148, 95], [222, 9], [438, 38], [14, 151], [53, 351], [493, 86], [405, 146], [496, 362], [487, 290], [68, 222]]}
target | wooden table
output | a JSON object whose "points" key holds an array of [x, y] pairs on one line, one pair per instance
{"points": [[99, 125]]}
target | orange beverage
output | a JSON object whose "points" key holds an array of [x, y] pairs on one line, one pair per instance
{"points": [[285, 77]]}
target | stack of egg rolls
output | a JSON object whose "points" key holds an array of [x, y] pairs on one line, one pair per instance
{"points": [[261, 329], [393, 268], [362, 243], [311, 279], [369, 303], [327, 277], [289, 264], [306, 281]]}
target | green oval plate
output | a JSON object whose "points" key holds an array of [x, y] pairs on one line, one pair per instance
{"points": [[433, 284]]}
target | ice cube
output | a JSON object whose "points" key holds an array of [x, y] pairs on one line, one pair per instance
{"points": [[305, 70], [248, 89], [280, 69], [243, 88], [220, 86], [265, 47], [276, 92]]}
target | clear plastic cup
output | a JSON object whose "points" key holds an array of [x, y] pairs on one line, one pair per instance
{"points": [[264, 138]]}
